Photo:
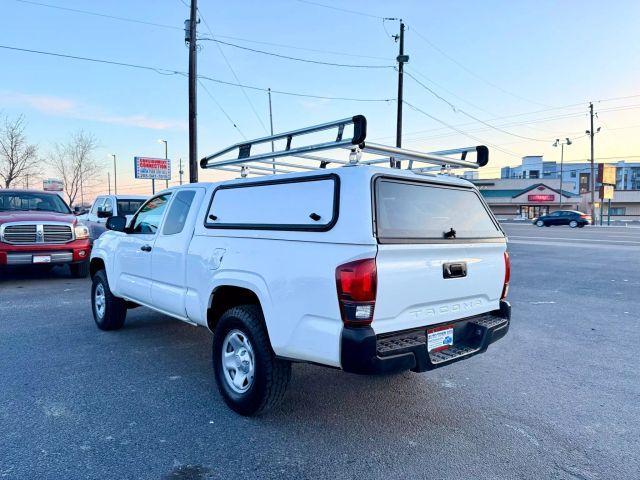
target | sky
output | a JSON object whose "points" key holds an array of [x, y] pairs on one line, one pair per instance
{"points": [[511, 75]]}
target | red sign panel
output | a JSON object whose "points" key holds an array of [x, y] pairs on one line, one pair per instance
{"points": [[541, 198]]}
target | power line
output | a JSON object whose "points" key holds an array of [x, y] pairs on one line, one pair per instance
{"points": [[221, 109], [298, 59], [315, 50], [345, 10], [173, 27], [473, 117], [294, 94], [419, 110], [166, 71], [162, 71], [442, 87], [469, 71], [97, 14], [233, 72]]}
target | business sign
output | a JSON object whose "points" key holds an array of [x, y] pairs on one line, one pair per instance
{"points": [[52, 185], [152, 168], [606, 192], [606, 174], [541, 198]]}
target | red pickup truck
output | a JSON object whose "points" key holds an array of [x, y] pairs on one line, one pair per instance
{"points": [[38, 228]]}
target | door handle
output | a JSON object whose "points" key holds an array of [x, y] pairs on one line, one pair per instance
{"points": [[454, 270], [145, 248]]}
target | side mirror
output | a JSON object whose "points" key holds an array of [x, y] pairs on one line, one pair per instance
{"points": [[104, 213], [117, 223]]}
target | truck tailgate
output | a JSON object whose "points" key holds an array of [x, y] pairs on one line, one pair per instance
{"points": [[413, 290]]}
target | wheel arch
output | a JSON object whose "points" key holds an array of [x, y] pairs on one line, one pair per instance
{"points": [[227, 296], [96, 265]]}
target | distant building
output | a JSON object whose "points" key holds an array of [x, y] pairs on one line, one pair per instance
{"points": [[575, 176], [525, 198]]}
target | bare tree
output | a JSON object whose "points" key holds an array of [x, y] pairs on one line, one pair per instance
{"points": [[74, 164], [18, 158]]}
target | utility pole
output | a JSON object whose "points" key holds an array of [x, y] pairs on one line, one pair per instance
{"points": [[193, 93], [109, 182], [115, 175], [593, 179], [180, 171], [402, 59], [26, 177], [271, 123]]}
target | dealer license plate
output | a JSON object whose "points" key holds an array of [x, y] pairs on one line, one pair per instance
{"points": [[42, 259], [439, 338]]}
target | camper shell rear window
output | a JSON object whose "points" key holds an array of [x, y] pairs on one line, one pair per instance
{"points": [[426, 212], [295, 204]]}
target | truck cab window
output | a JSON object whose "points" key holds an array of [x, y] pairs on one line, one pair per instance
{"points": [[97, 204], [178, 212], [150, 215]]}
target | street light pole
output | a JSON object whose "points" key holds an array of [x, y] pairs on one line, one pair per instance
{"points": [[166, 157], [567, 141], [271, 123], [593, 180], [115, 175]]}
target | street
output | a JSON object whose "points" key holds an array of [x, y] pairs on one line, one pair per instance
{"points": [[558, 397]]}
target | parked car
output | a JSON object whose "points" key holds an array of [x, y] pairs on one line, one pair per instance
{"points": [[106, 206], [38, 228], [315, 274], [572, 218]]}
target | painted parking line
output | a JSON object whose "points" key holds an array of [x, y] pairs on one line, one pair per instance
{"points": [[572, 239], [575, 245]]}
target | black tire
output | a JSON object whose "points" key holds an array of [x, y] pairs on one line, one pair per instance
{"points": [[540, 223], [573, 224], [115, 309], [79, 270], [270, 374]]}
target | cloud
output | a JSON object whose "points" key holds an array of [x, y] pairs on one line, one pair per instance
{"points": [[65, 107]]}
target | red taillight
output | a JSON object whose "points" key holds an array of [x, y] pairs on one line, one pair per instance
{"points": [[507, 276], [357, 283]]}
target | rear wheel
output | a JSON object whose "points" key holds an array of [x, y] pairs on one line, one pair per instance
{"points": [[540, 223], [250, 378], [109, 311], [573, 224]]}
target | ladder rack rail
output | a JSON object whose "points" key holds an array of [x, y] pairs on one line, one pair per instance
{"points": [[267, 163]]}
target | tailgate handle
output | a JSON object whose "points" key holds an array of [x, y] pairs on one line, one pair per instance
{"points": [[454, 270]]}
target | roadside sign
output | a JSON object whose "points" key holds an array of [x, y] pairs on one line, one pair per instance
{"points": [[52, 185], [606, 174], [606, 192], [152, 168]]}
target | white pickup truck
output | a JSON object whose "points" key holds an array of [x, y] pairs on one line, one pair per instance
{"points": [[363, 268]]}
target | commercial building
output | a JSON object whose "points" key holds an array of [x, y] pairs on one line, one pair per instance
{"points": [[624, 207], [525, 198], [575, 176]]}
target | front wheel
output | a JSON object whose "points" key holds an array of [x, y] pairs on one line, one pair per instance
{"points": [[540, 223], [573, 224], [109, 311], [250, 378]]}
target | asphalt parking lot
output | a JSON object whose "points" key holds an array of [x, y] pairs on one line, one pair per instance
{"points": [[559, 397]]}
